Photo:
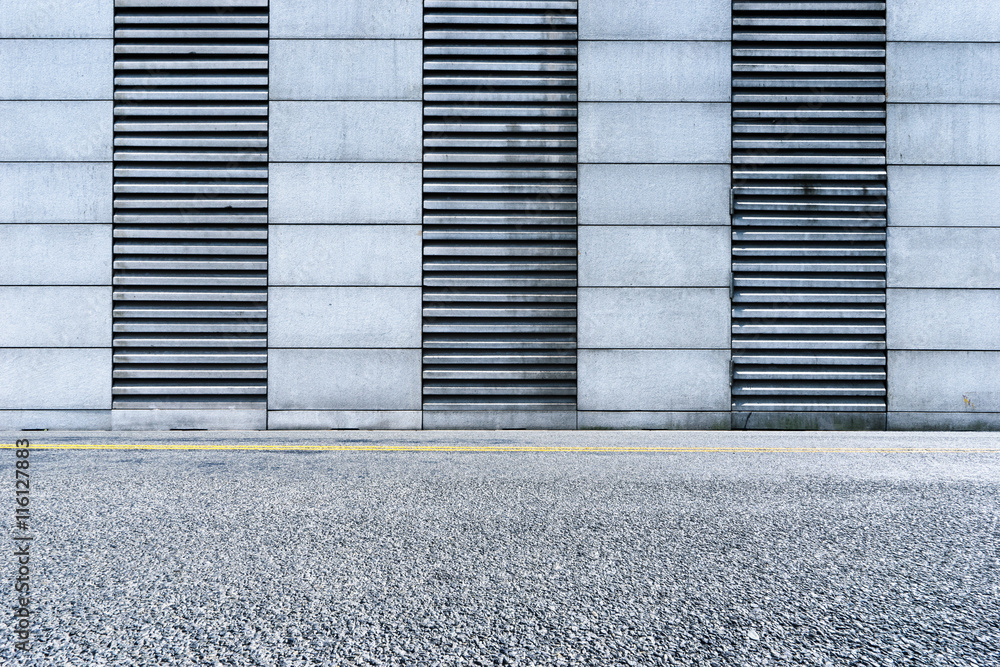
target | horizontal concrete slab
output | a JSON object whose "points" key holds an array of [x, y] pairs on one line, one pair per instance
{"points": [[809, 421], [343, 419], [55, 316], [57, 18], [924, 381], [343, 379], [653, 380], [56, 69], [57, 131], [344, 193], [161, 420], [653, 317], [624, 71], [55, 254], [499, 419], [966, 257], [368, 255], [623, 132], [345, 131], [357, 19], [943, 196], [664, 19], [944, 421], [55, 379], [50, 420], [351, 69], [654, 421], [54, 192], [933, 21], [344, 317], [941, 72], [943, 134], [668, 256], [943, 319], [654, 194]]}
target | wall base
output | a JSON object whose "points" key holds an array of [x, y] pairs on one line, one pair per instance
{"points": [[163, 420], [809, 421], [343, 419], [497, 419], [681, 421]]}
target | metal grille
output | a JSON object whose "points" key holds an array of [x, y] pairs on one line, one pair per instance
{"points": [[809, 206], [500, 137], [190, 204]]}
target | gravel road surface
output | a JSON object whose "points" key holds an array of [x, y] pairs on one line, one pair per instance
{"points": [[716, 557]]}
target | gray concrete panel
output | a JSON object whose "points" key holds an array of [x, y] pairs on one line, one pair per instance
{"points": [[345, 131], [55, 255], [357, 19], [655, 71], [654, 380], [56, 69], [55, 316], [944, 257], [669, 421], [963, 382], [944, 421], [654, 194], [344, 255], [946, 196], [653, 318], [55, 192], [347, 193], [343, 419], [934, 21], [943, 319], [935, 72], [343, 379], [343, 316], [50, 420], [56, 18], [58, 131], [215, 420], [498, 419], [345, 69], [655, 132], [943, 134], [664, 19], [623, 256], [55, 379]]}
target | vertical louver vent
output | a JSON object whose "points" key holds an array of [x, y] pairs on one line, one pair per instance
{"points": [[809, 200], [500, 136], [190, 204]]}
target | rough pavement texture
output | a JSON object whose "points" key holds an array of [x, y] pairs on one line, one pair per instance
{"points": [[264, 558]]}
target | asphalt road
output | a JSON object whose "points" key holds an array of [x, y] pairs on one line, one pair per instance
{"points": [[802, 553]]}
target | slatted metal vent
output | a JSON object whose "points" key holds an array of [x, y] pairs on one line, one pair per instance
{"points": [[190, 204], [500, 138], [809, 200]]}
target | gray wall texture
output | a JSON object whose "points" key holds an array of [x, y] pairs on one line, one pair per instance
{"points": [[345, 215]]}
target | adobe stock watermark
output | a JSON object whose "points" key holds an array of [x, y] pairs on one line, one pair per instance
{"points": [[22, 545]]}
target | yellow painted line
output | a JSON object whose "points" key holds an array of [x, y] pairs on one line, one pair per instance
{"points": [[501, 449]]}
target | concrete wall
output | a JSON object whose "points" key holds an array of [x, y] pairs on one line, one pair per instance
{"points": [[55, 214], [344, 214], [944, 225], [654, 313]]}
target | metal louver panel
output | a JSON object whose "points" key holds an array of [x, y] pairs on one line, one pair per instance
{"points": [[809, 206], [190, 204], [500, 137]]}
